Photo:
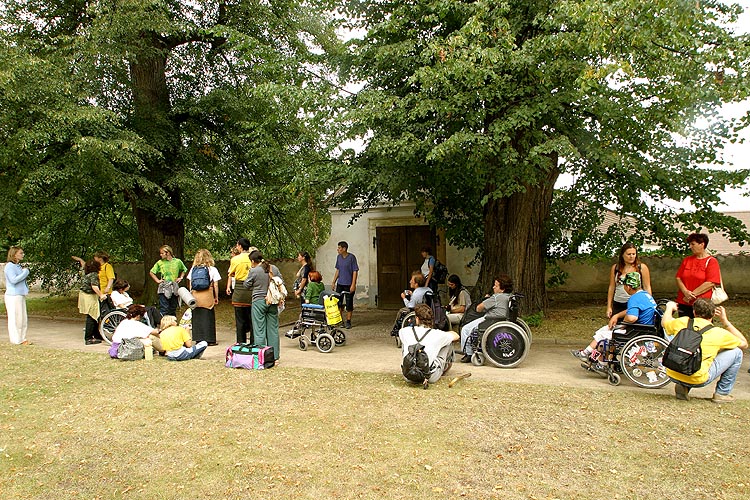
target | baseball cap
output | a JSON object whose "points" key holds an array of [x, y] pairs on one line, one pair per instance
{"points": [[633, 280]]}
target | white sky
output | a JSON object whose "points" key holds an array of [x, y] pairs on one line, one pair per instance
{"points": [[739, 154]]}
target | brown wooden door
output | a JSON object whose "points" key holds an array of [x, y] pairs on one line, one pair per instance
{"points": [[398, 254]]}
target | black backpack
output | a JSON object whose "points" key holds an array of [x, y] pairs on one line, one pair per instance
{"points": [[684, 354], [439, 272], [416, 365], [439, 318], [200, 279]]}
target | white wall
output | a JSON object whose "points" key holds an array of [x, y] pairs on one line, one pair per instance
{"points": [[361, 236]]}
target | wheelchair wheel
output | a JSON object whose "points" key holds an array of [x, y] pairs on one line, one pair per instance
{"points": [[339, 337], [302, 344], [614, 378], [409, 320], [325, 343], [525, 329], [477, 359], [640, 361], [505, 344], [108, 324]]}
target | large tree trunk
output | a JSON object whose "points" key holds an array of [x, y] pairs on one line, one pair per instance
{"points": [[159, 220], [515, 241], [153, 233]]}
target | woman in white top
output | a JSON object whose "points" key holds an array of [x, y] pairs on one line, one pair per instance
{"points": [[120, 296], [133, 328], [204, 316], [428, 268]]}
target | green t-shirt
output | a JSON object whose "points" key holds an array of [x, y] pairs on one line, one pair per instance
{"points": [[169, 270]]}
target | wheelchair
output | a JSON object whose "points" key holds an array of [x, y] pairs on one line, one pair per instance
{"points": [[504, 342], [324, 336], [636, 351], [109, 318], [410, 319]]}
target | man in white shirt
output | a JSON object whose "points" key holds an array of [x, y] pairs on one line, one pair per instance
{"points": [[438, 345]]}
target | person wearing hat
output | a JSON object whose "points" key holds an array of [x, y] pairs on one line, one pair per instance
{"points": [[641, 309]]}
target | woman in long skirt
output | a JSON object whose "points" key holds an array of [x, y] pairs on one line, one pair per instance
{"points": [[202, 274]]}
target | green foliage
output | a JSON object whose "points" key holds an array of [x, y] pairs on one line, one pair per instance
{"points": [[534, 320], [124, 122], [468, 102]]}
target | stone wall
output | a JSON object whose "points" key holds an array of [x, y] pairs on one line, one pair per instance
{"points": [[592, 278]]}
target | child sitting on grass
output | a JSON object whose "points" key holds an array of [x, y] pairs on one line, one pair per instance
{"points": [[176, 342]]}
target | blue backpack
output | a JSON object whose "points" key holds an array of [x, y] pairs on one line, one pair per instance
{"points": [[200, 279]]}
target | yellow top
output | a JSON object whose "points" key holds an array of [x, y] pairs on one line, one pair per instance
{"points": [[714, 340], [173, 338], [239, 266]]}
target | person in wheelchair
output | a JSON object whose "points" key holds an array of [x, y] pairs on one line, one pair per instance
{"points": [[494, 307], [121, 299], [417, 295], [640, 310]]}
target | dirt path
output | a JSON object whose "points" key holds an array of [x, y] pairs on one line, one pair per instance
{"points": [[369, 349]]}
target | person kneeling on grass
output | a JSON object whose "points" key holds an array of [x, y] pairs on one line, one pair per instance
{"points": [[438, 345], [721, 350], [641, 310], [176, 341]]}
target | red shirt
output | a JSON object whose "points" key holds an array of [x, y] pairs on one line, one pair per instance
{"points": [[694, 272]]}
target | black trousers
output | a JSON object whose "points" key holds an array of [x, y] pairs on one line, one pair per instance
{"points": [[92, 329], [243, 323]]}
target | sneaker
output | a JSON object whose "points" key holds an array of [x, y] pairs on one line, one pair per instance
{"points": [[681, 392], [466, 358], [580, 354], [722, 398], [348, 325], [93, 341]]}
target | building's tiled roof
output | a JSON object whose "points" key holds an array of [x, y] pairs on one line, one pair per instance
{"points": [[719, 244]]}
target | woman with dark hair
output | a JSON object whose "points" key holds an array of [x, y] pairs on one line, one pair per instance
{"points": [[89, 297], [496, 306], [106, 271], [265, 316], [133, 327], [302, 277], [697, 276], [459, 301], [428, 268], [120, 296], [628, 262]]}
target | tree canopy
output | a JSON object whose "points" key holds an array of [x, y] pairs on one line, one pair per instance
{"points": [[131, 124], [473, 109]]}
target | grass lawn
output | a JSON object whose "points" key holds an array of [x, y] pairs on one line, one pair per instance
{"points": [[74, 425]]}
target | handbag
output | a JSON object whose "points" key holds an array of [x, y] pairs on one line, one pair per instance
{"points": [[131, 350], [718, 294], [276, 289]]}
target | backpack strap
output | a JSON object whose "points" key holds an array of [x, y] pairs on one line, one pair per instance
{"points": [[423, 336]]}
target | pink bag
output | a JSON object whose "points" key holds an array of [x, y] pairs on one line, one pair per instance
{"points": [[249, 357]]}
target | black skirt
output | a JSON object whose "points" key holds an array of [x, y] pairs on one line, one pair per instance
{"points": [[204, 325]]}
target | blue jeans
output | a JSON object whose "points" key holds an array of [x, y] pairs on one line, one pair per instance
{"points": [[167, 306], [725, 367], [184, 353]]}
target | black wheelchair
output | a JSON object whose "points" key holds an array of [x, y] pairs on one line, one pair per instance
{"points": [[410, 318], [636, 351], [504, 342], [110, 317]]}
